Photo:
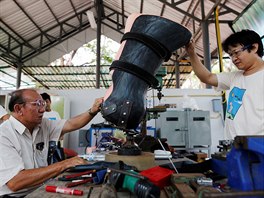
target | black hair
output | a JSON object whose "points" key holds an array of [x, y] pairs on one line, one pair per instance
{"points": [[45, 96], [245, 38], [16, 97]]}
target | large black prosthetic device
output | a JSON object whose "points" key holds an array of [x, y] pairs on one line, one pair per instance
{"points": [[148, 42]]}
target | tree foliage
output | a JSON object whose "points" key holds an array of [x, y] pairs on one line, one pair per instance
{"points": [[107, 52]]}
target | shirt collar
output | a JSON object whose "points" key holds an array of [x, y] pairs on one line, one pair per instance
{"points": [[19, 127]]}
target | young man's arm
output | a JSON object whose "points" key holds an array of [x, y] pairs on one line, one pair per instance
{"points": [[199, 69]]}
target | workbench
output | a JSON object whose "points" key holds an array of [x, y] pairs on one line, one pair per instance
{"points": [[179, 181], [96, 189]]}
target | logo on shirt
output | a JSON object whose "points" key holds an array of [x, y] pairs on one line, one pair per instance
{"points": [[234, 102]]}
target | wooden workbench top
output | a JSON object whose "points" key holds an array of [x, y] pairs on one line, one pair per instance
{"points": [[96, 190]]}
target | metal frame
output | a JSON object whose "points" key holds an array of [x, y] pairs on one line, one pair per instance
{"points": [[18, 50]]}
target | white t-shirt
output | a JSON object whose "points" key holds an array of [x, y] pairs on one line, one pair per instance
{"points": [[245, 103], [20, 150], [52, 115], [2, 111]]}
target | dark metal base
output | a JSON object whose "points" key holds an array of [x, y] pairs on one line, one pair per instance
{"points": [[129, 147]]}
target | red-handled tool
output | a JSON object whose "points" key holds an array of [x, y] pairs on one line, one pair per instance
{"points": [[78, 174], [72, 184], [97, 179]]}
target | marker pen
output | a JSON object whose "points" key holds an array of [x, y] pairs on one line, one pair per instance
{"points": [[63, 190]]}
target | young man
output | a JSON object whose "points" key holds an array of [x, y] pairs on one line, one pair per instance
{"points": [[54, 115], [24, 140], [245, 106], [49, 113]]}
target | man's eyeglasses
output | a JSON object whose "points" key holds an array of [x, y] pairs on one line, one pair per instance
{"points": [[237, 53], [38, 103]]}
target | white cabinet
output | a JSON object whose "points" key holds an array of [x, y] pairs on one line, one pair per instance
{"points": [[189, 129]]}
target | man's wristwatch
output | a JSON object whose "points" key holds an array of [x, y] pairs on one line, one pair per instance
{"points": [[92, 113]]}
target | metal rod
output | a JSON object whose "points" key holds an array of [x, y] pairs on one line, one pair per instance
{"points": [[98, 46], [89, 192], [168, 157]]}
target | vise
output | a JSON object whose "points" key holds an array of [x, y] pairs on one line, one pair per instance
{"points": [[244, 163]]}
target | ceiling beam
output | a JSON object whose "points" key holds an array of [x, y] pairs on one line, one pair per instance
{"points": [[14, 57], [17, 35], [14, 77], [174, 5], [75, 12], [120, 27], [53, 14], [141, 6], [32, 21]]}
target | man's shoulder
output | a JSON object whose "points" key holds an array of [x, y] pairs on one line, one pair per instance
{"points": [[11, 124], [232, 74]]}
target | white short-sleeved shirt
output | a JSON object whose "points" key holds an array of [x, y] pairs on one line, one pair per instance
{"points": [[20, 150], [245, 103], [2, 111], [52, 115]]}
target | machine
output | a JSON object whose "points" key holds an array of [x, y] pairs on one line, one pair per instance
{"points": [[187, 128]]}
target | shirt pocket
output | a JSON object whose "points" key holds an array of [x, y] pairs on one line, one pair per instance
{"points": [[41, 157]]}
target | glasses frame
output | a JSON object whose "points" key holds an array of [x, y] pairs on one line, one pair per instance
{"points": [[38, 103], [237, 53]]}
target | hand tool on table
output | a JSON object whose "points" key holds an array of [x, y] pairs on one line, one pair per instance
{"points": [[101, 165], [77, 176], [97, 179], [134, 182]]}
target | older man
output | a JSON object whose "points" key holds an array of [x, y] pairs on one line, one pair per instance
{"points": [[24, 140]]}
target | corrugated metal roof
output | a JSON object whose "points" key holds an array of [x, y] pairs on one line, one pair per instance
{"points": [[30, 27]]}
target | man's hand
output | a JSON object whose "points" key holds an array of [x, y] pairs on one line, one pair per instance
{"points": [[97, 105], [32, 177], [190, 47], [74, 161], [81, 120]]}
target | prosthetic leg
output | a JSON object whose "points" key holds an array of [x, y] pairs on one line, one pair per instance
{"points": [[148, 42]]}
